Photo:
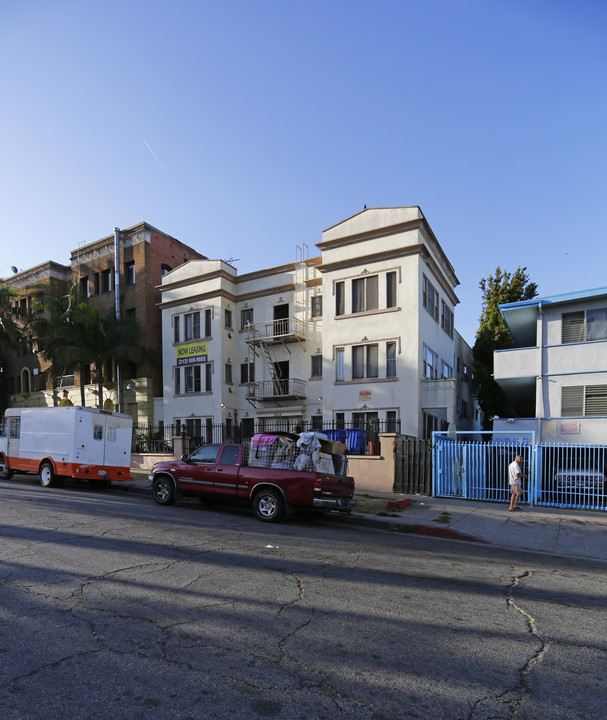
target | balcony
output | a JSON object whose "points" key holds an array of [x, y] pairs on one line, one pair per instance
{"points": [[284, 330], [516, 363], [286, 389]]}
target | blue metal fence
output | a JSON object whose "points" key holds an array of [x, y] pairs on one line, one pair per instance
{"points": [[557, 474]]}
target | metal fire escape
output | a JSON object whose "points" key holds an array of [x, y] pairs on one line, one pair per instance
{"points": [[262, 339]]}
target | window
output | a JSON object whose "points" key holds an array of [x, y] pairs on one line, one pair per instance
{"points": [[596, 400], [228, 318], [391, 289], [176, 328], [340, 300], [316, 423], [230, 454], [247, 373], [391, 421], [340, 421], [97, 283], [246, 317], [364, 294], [205, 454], [228, 373], [596, 324], [581, 401], [25, 380], [430, 298], [466, 377], [367, 420], [191, 378], [164, 269], [432, 423], [431, 361], [97, 432], [84, 286], [129, 272], [316, 306], [446, 320], [391, 359], [15, 428], [364, 361], [106, 281], [207, 322], [191, 326], [340, 369], [208, 375], [584, 325], [316, 371], [446, 370]]}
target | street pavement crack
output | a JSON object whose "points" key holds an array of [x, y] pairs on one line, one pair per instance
{"points": [[514, 698]]}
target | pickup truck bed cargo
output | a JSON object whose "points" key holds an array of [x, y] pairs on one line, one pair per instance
{"points": [[220, 471]]}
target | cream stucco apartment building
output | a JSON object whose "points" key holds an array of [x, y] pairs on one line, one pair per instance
{"points": [[560, 362], [361, 334]]}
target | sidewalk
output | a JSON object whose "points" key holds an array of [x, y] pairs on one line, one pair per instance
{"points": [[557, 531]]}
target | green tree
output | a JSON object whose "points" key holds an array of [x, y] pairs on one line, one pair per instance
{"points": [[48, 325], [502, 287], [10, 328], [74, 334], [11, 334]]}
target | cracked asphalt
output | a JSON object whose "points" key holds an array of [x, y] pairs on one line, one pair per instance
{"points": [[113, 607]]}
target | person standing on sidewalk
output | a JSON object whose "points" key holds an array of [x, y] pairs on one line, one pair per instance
{"points": [[515, 480]]}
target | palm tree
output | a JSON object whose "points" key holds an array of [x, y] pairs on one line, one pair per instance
{"points": [[11, 334], [49, 330], [74, 334], [108, 340]]}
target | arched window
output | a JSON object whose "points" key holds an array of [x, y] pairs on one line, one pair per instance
{"points": [[25, 381]]}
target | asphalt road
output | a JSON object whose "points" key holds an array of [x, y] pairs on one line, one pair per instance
{"points": [[113, 607]]}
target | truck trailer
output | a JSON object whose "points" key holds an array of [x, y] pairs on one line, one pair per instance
{"points": [[66, 442]]}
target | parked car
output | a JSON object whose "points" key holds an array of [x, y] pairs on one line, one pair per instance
{"points": [[572, 483], [273, 483]]}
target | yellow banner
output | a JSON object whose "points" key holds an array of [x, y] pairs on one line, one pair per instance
{"points": [[192, 353]]}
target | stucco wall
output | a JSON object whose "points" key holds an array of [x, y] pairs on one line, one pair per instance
{"points": [[374, 473]]}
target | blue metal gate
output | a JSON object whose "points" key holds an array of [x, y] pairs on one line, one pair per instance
{"points": [[557, 475]]}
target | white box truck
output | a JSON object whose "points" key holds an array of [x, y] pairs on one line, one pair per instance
{"points": [[66, 442]]}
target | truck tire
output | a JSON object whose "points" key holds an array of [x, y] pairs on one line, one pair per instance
{"points": [[163, 490], [269, 505], [5, 473], [47, 476]]}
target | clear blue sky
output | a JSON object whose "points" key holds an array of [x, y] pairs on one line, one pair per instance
{"points": [[244, 128]]}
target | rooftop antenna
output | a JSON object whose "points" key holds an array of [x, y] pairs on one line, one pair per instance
{"points": [[232, 260]]}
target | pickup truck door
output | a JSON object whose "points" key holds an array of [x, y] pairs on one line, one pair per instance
{"points": [[198, 475], [226, 471]]}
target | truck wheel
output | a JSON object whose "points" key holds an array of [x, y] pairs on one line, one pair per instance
{"points": [[269, 505], [164, 491], [47, 476], [5, 473]]}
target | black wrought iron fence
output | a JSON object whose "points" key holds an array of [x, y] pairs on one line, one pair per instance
{"points": [[153, 439], [359, 438]]}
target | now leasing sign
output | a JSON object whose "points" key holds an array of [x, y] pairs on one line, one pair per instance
{"points": [[192, 353]]}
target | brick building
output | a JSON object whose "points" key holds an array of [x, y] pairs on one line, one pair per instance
{"points": [[21, 377], [145, 255]]}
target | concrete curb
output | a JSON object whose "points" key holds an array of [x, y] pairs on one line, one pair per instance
{"points": [[388, 525], [404, 527]]}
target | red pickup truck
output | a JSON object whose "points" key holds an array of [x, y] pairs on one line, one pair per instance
{"points": [[219, 471]]}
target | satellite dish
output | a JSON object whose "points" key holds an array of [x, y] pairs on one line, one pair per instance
{"points": [[14, 269]]}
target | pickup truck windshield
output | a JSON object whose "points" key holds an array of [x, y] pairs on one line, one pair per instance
{"points": [[205, 454]]}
